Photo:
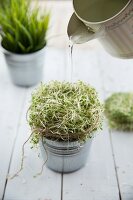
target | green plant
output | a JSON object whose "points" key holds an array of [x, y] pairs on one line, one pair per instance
{"points": [[64, 111], [4, 2], [23, 28], [119, 111]]}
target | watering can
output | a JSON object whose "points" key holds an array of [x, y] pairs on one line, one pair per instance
{"points": [[110, 21]]}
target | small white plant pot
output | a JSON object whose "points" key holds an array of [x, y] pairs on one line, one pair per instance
{"points": [[25, 69], [65, 157]]}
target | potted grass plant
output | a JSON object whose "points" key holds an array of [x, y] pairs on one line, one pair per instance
{"points": [[23, 40], [64, 118]]}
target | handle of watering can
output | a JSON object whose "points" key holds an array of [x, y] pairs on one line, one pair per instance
{"points": [[79, 33]]}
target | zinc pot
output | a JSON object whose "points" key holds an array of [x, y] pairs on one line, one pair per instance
{"points": [[25, 69], [65, 156]]}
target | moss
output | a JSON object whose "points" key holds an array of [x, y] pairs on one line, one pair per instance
{"points": [[119, 111]]}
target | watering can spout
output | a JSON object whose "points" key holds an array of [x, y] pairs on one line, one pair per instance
{"points": [[78, 32]]}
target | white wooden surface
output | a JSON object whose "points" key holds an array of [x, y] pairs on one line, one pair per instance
{"points": [[11, 103], [119, 77], [108, 174]]}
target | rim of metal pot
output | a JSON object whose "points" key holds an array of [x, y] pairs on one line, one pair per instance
{"points": [[58, 148], [62, 144], [26, 56], [63, 148], [99, 22], [64, 151]]}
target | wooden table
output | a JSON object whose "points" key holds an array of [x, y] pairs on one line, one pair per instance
{"points": [[108, 174]]}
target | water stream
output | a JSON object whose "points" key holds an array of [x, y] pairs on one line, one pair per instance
{"points": [[71, 47]]}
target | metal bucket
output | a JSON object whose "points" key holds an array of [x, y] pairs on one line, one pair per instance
{"points": [[65, 156], [25, 69]]}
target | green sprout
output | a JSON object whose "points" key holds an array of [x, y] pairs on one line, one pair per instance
{"points": [[23, 28], [65, 112], [119, 111]]}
